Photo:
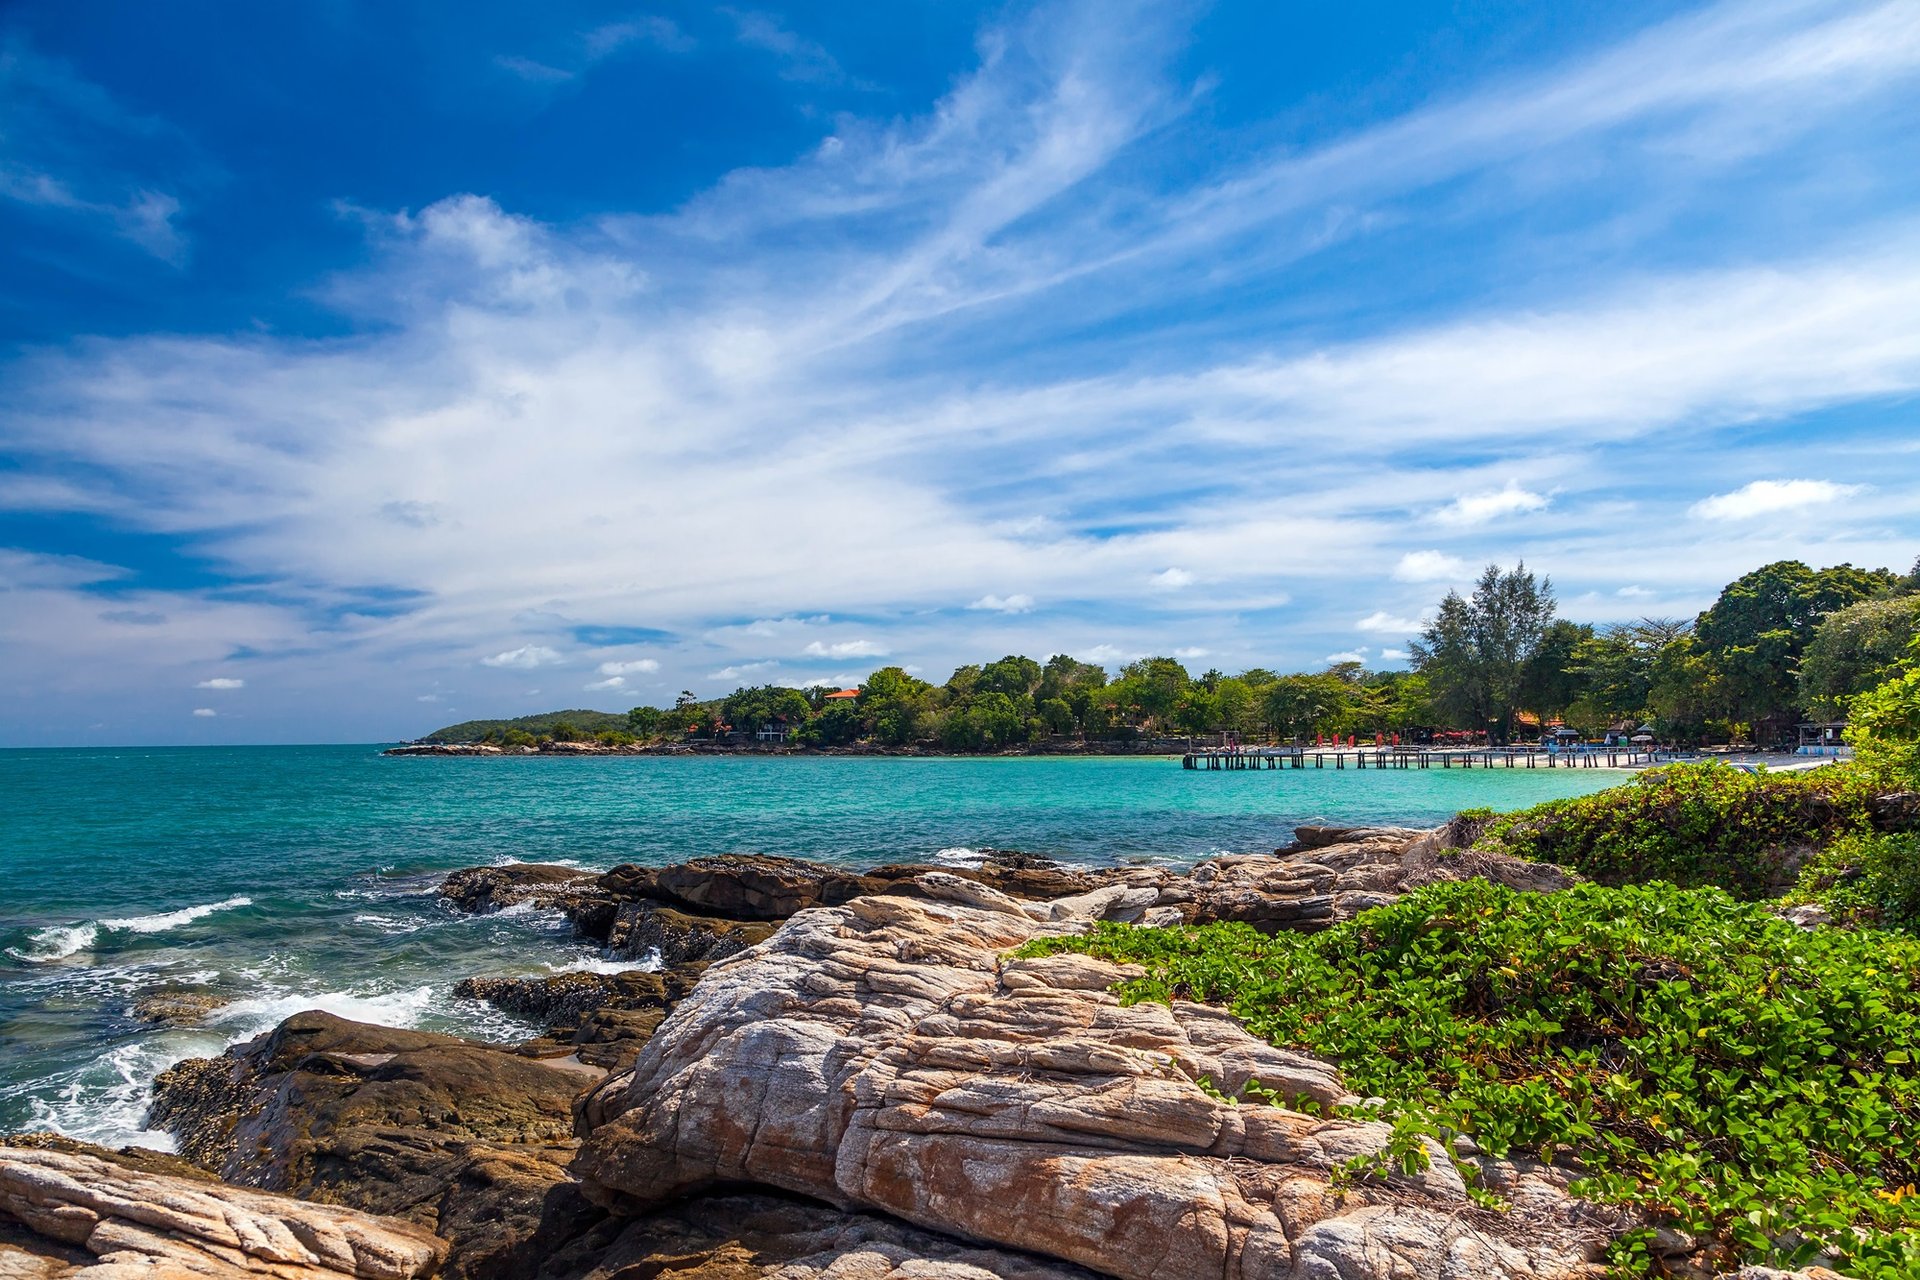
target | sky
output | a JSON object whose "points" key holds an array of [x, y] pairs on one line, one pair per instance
{"points": [[365, 368]]}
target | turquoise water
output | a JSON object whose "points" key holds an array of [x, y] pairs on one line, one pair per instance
{"points": [[281, 879]]}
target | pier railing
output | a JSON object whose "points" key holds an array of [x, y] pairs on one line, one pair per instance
{"points": [[1426, 758]]}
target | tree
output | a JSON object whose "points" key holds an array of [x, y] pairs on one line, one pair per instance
{"points": [[645, 722], [891, 703], [750, 710], [1553, 679], [1884, 725], [1855, 648], [1301, 704], [1156, 685], [1475, 652], [1756, 632]]}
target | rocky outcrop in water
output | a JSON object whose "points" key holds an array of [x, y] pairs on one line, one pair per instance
{"points": [[466, 1140], [93, 1218]]}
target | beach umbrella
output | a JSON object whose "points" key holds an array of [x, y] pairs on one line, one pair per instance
{"points": [[1643, 737]]}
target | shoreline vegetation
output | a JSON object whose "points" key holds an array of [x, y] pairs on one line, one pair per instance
{"points": [[1781, 645]]}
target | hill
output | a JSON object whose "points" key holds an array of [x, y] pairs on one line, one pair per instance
{"points": [[588, 722]]}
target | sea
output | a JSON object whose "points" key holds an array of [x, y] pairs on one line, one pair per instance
{"points": [[263, 881]]}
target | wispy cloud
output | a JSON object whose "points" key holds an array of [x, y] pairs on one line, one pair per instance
{"points": [[525, 658], [799, 58], [1019, 602], [222, 682], [1479, 508], [1382, 621], [1027, 337], [845, 649], [1771, 497], [1430, 566]]}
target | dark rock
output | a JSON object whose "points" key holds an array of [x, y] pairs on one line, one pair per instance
{"points": [[644, 928], [548, 887], [602, 1018], [1895, 811], [467, 1140]]}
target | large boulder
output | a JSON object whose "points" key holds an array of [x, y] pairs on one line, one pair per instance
{"points": [[884, 1057], [91, 1217], [468, 1140]]}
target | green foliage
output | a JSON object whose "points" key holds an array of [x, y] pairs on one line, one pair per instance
{"points": [[1693, 824], [1755, 633], [750, 710], [1855, 649], [1866, 879], [1476, 652], [1725, 1072], [1885, 727], [532, 727]]}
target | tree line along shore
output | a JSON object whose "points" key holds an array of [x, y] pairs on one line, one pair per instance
{"points": [[1782, 645]]}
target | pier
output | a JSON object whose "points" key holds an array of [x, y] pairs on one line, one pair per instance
{"points": [[1423, 758]]}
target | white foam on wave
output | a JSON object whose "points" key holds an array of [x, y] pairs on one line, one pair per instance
{"points": [[59, 941], [649, 963], [391, 924], [56, 942], [403, 1008], [959, 856], [161, 922]]}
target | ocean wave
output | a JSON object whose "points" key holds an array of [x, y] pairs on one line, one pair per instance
{"points": [[649, 963], [403, 1008], [56, 942], [392, 924], [161, 922], [958, 856]]}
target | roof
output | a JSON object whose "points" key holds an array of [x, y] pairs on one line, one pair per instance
{"points": [[844, 693]]}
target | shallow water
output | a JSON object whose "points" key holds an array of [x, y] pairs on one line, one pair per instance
{"points": [[282, 879]]}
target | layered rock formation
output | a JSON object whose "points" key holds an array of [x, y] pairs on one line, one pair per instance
{"points": [[122, 1223], [880, 1056]]}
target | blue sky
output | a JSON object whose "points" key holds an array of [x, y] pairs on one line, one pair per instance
{"points": [[367, 367]]}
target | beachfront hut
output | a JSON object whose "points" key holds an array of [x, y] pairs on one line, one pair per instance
{"points": [[1822, 738]]}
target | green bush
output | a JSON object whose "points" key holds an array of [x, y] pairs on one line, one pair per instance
{"points": [[1885, 730], [1730, 1075], [1871, 879], [1692, 824]]}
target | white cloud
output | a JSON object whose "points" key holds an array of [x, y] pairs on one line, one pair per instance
{"points": [[1382, 621], [634, 666], [611, 682], [525, 658], [742, 670], [427, 697], [1770, 497], [1394, 655], [1347, 655], [222, 682], [1633, 593], [1430, 566], [1111, 655], [1004, 604], [1479, 508], [205, 712], [846, 649], [1192, 651], [1172, 579]]}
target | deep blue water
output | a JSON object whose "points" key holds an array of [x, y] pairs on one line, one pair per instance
{"points": [[279, 879]]}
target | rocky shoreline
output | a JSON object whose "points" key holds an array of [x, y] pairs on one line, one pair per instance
{"points": [[1156, 747], [832, 1075]]}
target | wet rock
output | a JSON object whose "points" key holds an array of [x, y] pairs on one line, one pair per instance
{"points": [[602, 1018], [641, 929], [465, 1139], [142, 1224], [176, 1007], [544, 886]]}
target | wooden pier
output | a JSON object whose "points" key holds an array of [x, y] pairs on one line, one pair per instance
{"points": [[1422, 758]]}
